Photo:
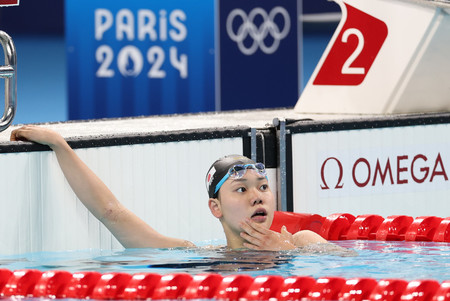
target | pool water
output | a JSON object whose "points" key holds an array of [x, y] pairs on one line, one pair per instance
{"points": [[374, 259]]}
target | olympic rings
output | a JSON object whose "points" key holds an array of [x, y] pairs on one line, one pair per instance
{"points": [[258, 34]]}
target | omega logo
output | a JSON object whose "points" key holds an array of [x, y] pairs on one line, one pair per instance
{"points": [[341, 173], [403, 170]]}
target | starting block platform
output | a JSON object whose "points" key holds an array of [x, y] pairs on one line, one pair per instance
{"points": [[385, 57]]}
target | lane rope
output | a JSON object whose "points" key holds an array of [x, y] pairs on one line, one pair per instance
{"points": [[123, 286], [345, 226]]}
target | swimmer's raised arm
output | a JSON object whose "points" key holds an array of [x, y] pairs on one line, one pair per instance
{"points": [[128, 228]]}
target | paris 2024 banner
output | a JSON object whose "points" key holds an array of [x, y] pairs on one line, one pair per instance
{"points": [[136, 57]]}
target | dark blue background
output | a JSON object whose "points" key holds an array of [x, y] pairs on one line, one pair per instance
{"points": [[47, 16], [259, 80]]}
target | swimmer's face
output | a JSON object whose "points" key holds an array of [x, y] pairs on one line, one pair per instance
{"points": [[247, 197]]}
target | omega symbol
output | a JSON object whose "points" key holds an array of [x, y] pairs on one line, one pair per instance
{"points": [[339, 183], [258, 34]]}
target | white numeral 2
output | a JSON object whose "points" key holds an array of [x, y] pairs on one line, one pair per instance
{"points": [[104, 55], [155, 56], [346, 69]]}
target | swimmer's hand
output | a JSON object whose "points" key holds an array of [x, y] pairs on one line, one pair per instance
{"points": [[37, 134], [261, 238]]}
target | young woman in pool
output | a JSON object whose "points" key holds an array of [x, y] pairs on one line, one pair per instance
{"points": [[239, 196]]}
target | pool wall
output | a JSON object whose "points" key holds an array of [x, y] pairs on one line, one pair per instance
{"points": [[160, 175], [386, 166], [159, 179]]}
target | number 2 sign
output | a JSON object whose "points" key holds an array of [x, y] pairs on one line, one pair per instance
{"points": [[353, 52]]}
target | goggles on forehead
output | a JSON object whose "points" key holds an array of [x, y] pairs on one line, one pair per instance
{"points": [[238, 171]]}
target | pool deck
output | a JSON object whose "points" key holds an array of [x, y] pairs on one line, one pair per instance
{"points": [[259, 119]]}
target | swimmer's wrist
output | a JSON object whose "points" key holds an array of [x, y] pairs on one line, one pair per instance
{"points": [[58, 144]]}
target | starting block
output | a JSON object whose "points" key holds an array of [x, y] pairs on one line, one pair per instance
{"points": [[386, 57]]}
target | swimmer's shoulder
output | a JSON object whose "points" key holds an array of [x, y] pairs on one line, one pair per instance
{"points": [[306, 237], [311, 242]]}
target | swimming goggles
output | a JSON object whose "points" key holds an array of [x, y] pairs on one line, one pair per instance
{"points": [[238, 171]]}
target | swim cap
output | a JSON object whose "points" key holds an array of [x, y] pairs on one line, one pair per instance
{"points": [[220, 168]]}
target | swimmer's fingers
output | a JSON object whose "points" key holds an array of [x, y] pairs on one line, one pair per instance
{"points": [[261, 238], [255, 235], [252, 242], [35, 134], [251, 231], [271, 242], [254, 228], [252, 247], [285, 234], [19, 134]]}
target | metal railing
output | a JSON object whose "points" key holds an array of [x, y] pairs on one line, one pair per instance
{"points": [[9, 72]]}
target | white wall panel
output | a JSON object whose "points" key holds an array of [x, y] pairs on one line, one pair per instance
{"points": [[402, 195], [163, 183]]}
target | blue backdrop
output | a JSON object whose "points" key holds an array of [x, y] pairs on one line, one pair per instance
{"points": [[135, 57], [259, 53], [128, 58]]}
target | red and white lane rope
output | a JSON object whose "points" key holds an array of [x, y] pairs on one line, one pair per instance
{"points": [[123, 286], [345, 226]]}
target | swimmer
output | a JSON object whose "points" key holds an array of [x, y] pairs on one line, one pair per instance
{"points": [[239, 197]]}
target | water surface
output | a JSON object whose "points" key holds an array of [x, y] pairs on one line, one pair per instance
{"points": [[375, 259]]}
